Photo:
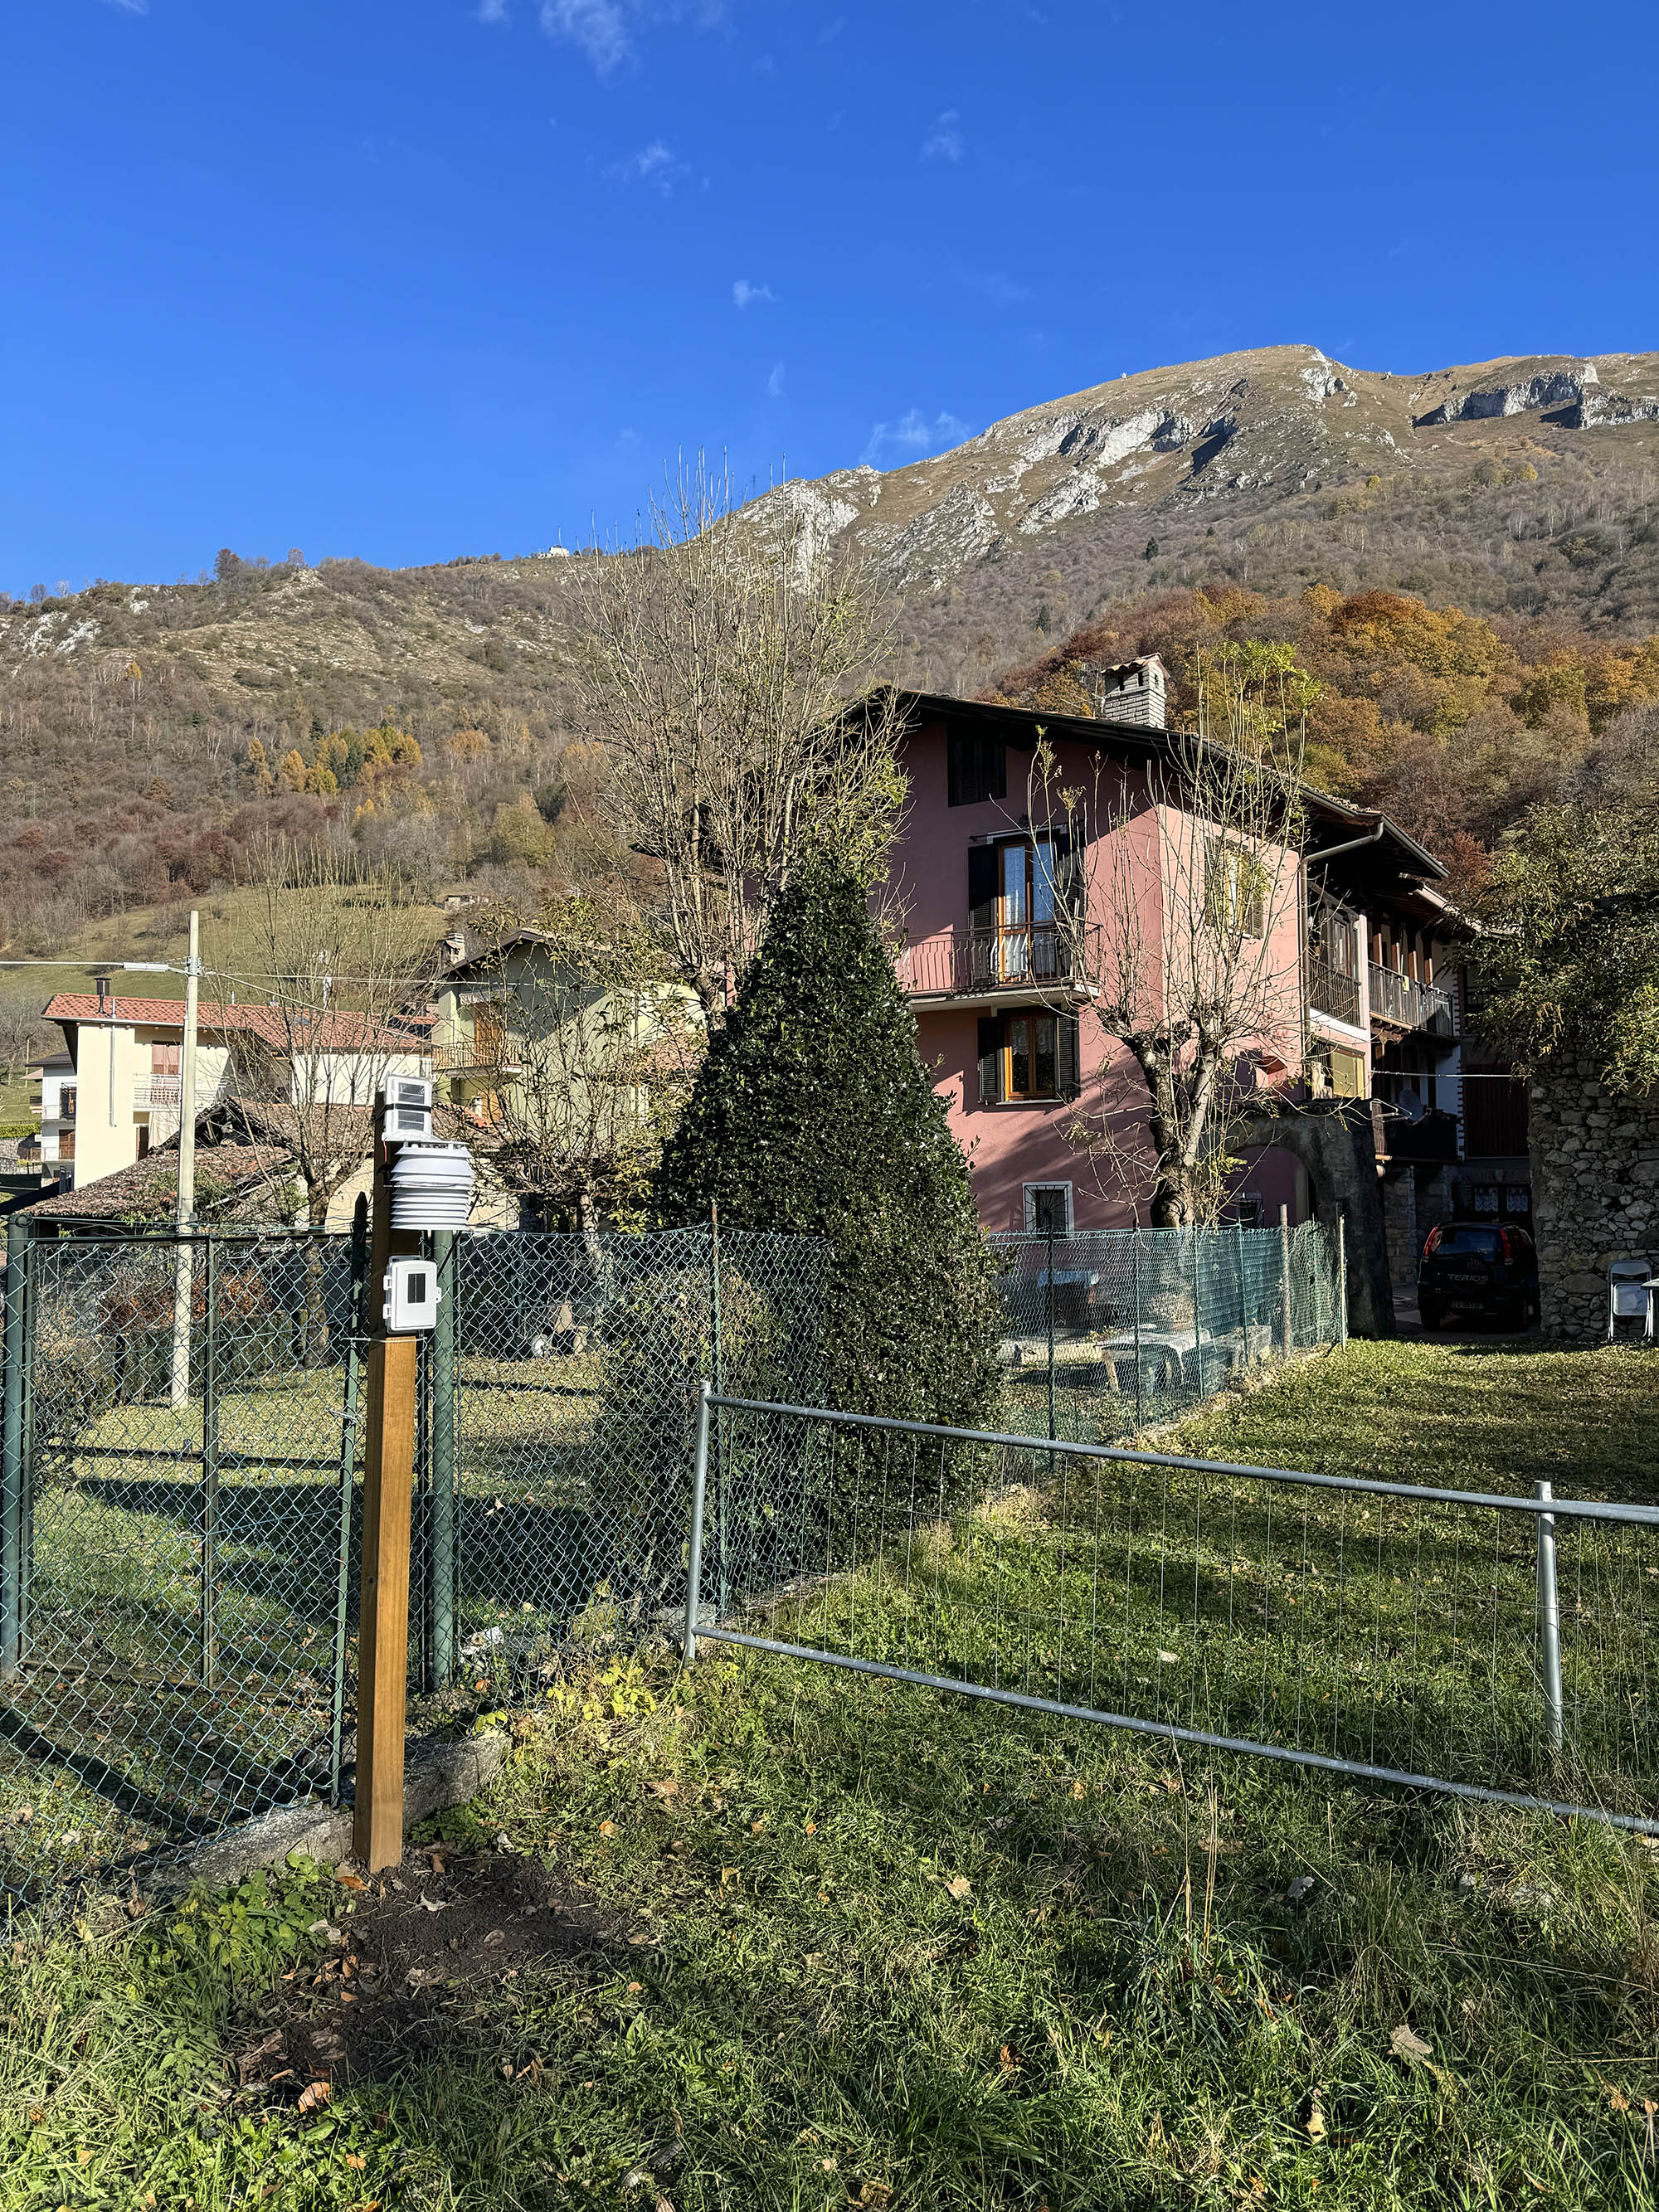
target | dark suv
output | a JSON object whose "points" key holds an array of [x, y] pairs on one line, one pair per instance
{"points": [[1477, 1269]]}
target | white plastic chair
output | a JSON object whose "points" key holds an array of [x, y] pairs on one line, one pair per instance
{"points": [[1631, 1290]]}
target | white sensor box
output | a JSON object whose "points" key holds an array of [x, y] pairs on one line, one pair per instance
{"points": [[408, 1106], [412, 1296]]}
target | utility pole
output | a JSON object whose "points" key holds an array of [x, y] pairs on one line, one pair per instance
{"points": [[182, 1266]]}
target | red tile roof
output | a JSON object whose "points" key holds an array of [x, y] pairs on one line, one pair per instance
{"points": [[340, 1031]]}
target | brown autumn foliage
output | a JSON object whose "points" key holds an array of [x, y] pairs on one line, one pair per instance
{"points": [[1455, 723]]}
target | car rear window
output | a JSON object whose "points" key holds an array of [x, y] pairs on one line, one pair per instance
{"points": [[1474, 1243]]}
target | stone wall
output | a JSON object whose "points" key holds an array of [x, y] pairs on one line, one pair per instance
{"points": [[1595, 1193]]}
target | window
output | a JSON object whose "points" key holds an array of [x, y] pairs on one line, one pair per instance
{"points": [[1049, 1207], [977, 769], [164, 1059], [1236, 882], [1347, 1073], [66, 1103], [1027, 1057], [1017, 897]]}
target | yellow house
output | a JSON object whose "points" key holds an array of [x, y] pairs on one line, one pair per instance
{"points": [[563, 1063]]}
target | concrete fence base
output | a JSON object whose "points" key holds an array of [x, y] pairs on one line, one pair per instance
{"points": [[436, 1775]]}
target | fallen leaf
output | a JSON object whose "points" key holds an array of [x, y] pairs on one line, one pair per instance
{"points": [[811, 1828], [1316, 2124], [607, 1827], [1618, 2100], [350, 1882], [1405, 2043], [355, 2162], [634, 1988], [1008, 2060], [1169, 1658], [314, 2095], [958, 1887], [1079, 1789], [434, 1904]]}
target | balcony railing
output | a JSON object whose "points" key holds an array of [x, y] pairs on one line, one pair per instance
{"points": [[1332, 993], [487, 1055], [964, 963], [157, 1090], [1400, 1002]]}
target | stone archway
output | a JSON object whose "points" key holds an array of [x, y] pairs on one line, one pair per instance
{"points": [[1334, 1140]]}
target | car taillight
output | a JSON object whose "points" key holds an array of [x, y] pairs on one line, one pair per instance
{"points": [[1433, 1244], [1509, 1248]]}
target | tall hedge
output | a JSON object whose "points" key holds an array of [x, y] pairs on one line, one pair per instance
{"points": [[813, 1114]]}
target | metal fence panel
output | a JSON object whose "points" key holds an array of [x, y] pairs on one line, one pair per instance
{"points": [[1387, 1631], [178, 1585], [578, 1362], [1113, 1331]]}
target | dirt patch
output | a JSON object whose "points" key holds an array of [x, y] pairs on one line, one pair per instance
{"points": [[424, 1944]]}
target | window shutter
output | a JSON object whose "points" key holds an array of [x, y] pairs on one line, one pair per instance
{"points": [[1068, 1054], [982, 885], [990, 1060]]}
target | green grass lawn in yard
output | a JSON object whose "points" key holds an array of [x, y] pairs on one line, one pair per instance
{"points": [[840, 1941]]}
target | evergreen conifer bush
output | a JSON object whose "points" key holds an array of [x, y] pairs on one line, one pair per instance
{"points": [[812, 1114]]}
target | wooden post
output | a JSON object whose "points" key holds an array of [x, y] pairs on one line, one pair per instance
{"points": [[377, 1825]]}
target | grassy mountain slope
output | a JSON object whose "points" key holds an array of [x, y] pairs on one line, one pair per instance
{"points": [[148, 734]]}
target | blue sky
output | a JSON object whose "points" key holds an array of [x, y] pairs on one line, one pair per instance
{"points": [[411, 280]]}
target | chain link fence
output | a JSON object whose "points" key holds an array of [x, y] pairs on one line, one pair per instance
{"points": [[181, 1507], [1113, 1332], [179, 1534], [1502, 1647]]}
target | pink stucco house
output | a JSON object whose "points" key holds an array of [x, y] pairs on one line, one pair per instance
{"points": [[1004, 898]]}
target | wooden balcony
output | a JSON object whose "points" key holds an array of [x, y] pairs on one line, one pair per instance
{"points": [[1400, 1002]]}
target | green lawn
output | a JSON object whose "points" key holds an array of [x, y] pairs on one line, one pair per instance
{"points": [[832, 1941]]}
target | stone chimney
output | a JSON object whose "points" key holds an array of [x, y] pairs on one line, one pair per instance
{"points": [[1127, 691]]}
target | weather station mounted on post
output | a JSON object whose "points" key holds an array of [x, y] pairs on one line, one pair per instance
{"points": [[419, 1187]]}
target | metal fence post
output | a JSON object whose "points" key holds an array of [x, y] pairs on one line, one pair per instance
{"points": [[1243, 1298], [1198, 1307], [209, 1456], [11, 1470], [1140, 1419], [718, 1373], [694, 1537], [1342, 1278], [1052, 1431], [1286, 1329], [445, 1249], [1549, 1614], [354, 1363]]}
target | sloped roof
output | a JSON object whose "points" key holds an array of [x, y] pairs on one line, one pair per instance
{"points": [[149, 1188], [338, 1031]]}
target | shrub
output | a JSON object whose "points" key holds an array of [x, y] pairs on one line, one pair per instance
{"points": [[813, 1114]]}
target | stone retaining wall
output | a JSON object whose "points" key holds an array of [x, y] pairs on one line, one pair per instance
{"points": [[1595, 1193]]}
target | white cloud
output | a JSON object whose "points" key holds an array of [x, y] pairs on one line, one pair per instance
{"points": [[655, 165], [597, 27], [604, 29], [743, 293], [944, 141], [993, 285], [130, 7], [492, 11], [774, 383], [892, 444]]}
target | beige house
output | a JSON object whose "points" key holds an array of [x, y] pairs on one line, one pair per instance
{"points": [[124, 1096]]}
